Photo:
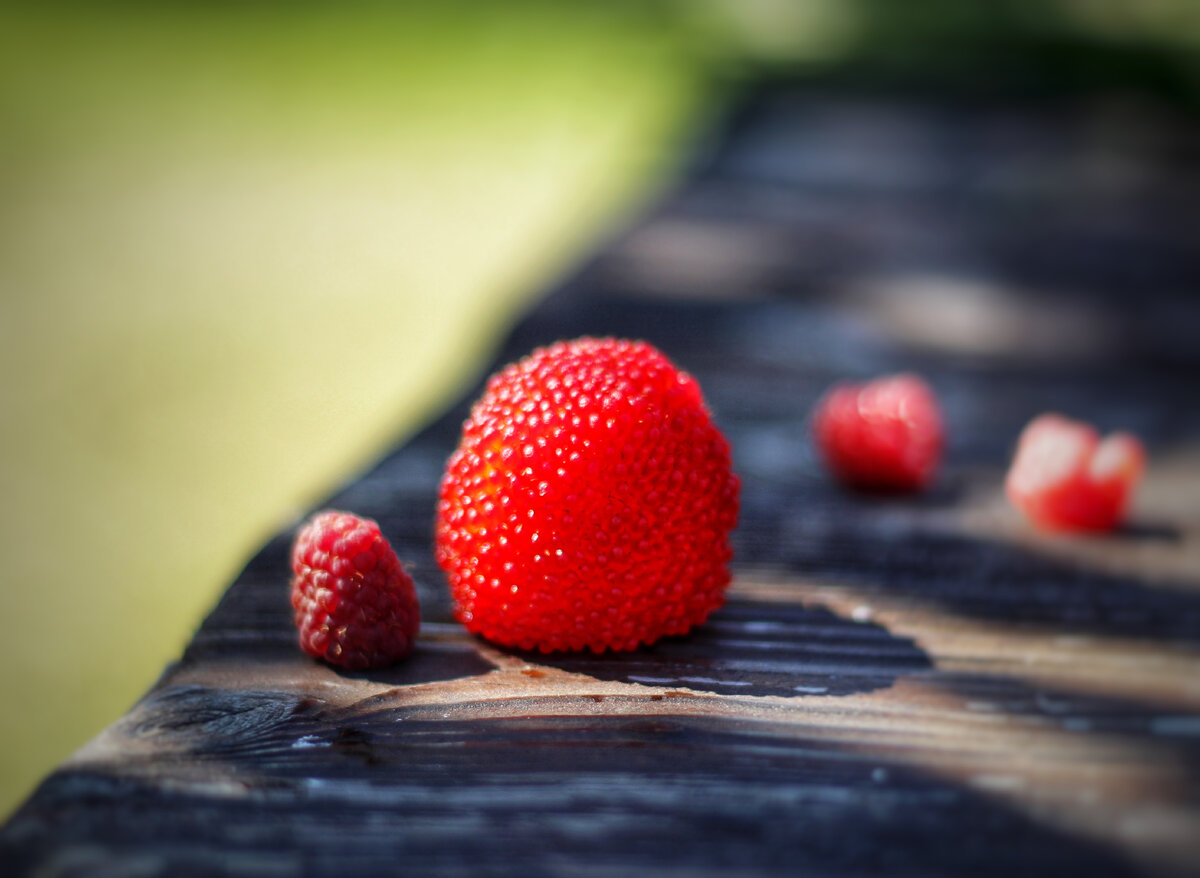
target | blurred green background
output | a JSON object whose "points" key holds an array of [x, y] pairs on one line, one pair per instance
{"points": [[246, 247]]}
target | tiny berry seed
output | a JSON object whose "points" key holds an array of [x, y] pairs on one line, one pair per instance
{"points": [[589, 503]]}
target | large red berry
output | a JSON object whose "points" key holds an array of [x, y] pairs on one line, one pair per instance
{"points": [[884, 435], [589, 503], [354, 605], [1064, 477]]}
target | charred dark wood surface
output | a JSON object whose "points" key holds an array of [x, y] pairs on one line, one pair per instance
{"points": [[898, 686]]}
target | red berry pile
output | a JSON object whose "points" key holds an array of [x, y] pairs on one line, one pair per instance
{"points": [[589, 503], [885, 435], [1065, 477], [354, 605]]}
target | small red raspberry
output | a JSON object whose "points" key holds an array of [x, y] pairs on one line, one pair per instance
{"points": [[1064, 477], [589, 503], [355, 606], [883, 435]]}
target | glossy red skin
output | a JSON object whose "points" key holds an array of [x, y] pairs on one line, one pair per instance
{"points": [[354, 605], [589, 503], [1071, 495], [885, 435]]}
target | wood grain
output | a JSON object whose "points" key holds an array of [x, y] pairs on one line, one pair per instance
{"points": [[901, 686]]}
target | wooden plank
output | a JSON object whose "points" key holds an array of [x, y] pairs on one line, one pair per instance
{"points": [[909, 686]]}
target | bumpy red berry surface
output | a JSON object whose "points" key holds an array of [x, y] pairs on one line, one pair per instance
{"points": [[589, 503], [885, 435], [1064, 477], [355, 607]]}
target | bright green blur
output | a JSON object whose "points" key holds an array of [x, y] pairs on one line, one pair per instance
{"points": [[242, 251]]}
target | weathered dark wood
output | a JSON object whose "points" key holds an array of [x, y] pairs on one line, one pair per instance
{"points": [[900, 686]]}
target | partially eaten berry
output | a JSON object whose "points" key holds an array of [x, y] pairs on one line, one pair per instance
{"points": [[885, 435], [354, 605], [1065, 477], [589, 503]]}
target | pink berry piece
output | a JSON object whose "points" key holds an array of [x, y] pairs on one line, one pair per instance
{"points": [[885, 435], [1064, 477], [355, 607]]}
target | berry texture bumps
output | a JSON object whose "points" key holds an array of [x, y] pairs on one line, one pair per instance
{"points": [[354, 605], [589, 503]]}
